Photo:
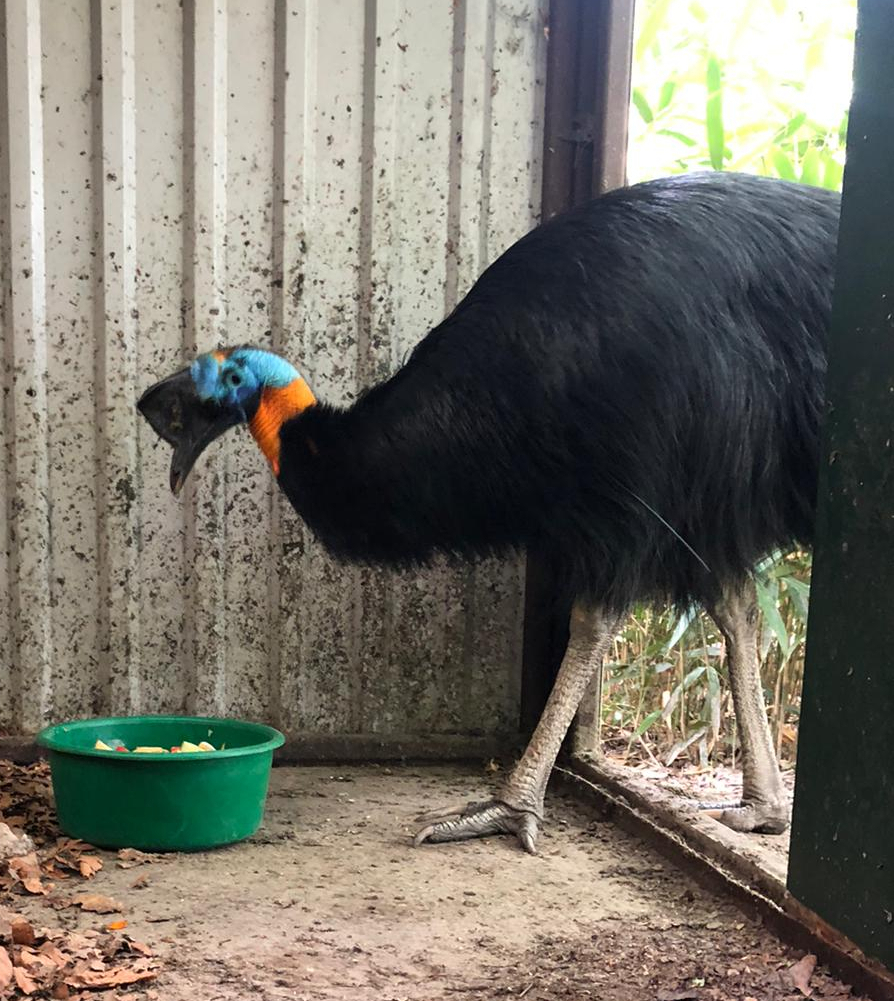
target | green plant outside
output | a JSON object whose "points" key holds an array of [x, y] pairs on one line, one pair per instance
{"points": [[761, 86]]}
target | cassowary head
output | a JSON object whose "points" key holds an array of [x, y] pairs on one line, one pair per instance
{"points": [[217, 391]]}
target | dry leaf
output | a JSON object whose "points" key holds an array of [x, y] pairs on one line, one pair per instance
{"points": [[53, 953], [89, 865], [22, 932], [799, 975], [74, 943], [96, 903], [66, 965], [24, 981], [5, 969], [130, 857], [34, 960], [140, 883], [26, 800], [108, 978], [26, 869]]}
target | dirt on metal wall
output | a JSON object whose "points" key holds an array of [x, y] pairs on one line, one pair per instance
{"points": [[327, 177]]}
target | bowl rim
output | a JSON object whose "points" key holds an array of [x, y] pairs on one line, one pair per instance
{"points": [[48, 738]]}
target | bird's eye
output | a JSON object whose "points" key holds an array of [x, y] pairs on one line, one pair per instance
{"points": [[234, 379]]}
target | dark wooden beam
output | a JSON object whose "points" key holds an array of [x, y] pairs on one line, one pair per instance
{"points": [[842, 854], [584, 154]]}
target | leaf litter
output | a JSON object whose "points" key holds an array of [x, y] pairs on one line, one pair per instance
{"points": [[62, 964], [652, 962], [45, 963]]}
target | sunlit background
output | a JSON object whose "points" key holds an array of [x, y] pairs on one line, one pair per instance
{"points": [[756, 85], [761, 86]]}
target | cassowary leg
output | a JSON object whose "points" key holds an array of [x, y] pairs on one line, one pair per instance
{"points": [[764, 805], [518, 807]]}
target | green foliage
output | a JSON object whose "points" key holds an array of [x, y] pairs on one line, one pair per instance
{"points": [[761, 86], [755, 85], [665, 683]]}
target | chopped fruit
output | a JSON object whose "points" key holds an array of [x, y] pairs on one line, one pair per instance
{"points": [[186, 747]]}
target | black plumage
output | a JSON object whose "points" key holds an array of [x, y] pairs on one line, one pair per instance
{"points": [[633, 392], [643, 370]]}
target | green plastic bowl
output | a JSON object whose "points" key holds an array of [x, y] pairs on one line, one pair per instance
{"points": [[160, 802]]}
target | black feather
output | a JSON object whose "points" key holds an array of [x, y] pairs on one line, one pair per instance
{"points": [[646, 369]]}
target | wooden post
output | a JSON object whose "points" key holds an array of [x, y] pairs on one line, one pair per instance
{"points": [[841, 863], [585, 148]]}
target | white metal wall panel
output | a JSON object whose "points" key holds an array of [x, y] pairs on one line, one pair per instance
{"points": [[326, 177]]}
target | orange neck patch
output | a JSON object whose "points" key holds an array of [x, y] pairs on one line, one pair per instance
{"points": [[276, 407]]}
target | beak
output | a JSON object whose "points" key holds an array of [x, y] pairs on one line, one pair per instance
{"points": [[183, 420]]}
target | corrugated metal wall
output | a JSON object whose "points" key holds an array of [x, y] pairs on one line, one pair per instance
{"points": [[326, 176]]}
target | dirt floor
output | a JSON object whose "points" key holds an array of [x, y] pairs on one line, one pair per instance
{"points": [[329, 901]]}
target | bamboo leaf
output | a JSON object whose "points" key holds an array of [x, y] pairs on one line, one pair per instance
{"points": [[813, 58], [842, 129], [766, 599], [653, 717], [671, 133], [743, 22], [812, 167], [667, 93], [714, 113], [681, 687], [799, 592], [683, 623], [642, 105], [681, 745], [712, 703], [653, 23], [791, 127], [783, 165], [833, 172]]}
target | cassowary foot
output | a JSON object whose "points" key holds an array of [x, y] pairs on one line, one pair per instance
{"points": [[477, 820], [749, 818]]}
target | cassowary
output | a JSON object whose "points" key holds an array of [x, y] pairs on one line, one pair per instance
{"points": [[633, 390]]}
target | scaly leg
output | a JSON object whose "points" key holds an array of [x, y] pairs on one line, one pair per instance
{"points": [[518, 808], [764, 806]]}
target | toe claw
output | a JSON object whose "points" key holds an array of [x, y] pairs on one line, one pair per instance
{"points": [[478, 820], [748, 817], [527, 833], [423, 835]]}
